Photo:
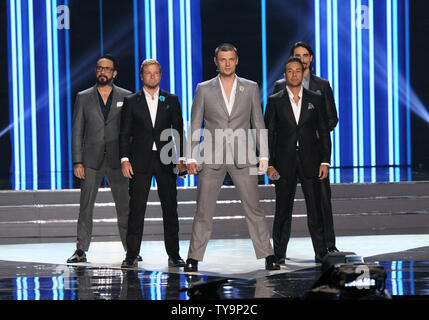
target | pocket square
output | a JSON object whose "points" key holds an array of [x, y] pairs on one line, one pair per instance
{"points": [[310, 106]]}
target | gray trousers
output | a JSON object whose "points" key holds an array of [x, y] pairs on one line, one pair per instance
{"points": [[88, 193], [209, 184]]}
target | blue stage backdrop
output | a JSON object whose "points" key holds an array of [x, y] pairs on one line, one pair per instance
{"points": [[361, 46]]}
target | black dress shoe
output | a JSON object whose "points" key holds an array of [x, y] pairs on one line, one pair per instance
{"points": [[281, 261], [191, 265], [176, 262], [319, 257], [78, 256], [271, 264], [139, 258], [333, 249], [129, 263]]}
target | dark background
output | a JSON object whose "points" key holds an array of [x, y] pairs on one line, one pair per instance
{"points": [[238, 22]]}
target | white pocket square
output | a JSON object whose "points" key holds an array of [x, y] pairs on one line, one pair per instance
{"points": [[310, 106]]}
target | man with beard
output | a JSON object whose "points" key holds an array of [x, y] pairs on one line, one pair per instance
{"points": [[95, 151]]}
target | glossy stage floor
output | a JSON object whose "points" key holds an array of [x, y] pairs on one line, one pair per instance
{"points": [[385, 222]]}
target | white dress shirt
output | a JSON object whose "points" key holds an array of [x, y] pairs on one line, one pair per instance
{"points": [[229, 104]]}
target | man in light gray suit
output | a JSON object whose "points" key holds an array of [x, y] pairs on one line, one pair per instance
{"points": [[230, 108], [95, 151]]}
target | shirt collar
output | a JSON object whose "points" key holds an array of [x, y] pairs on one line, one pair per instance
{"points": [[291, 94], [148, 95]]}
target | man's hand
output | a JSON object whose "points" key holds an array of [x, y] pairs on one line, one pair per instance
{"points": [[271, 172], [192, 168], [127, 169], [323, 171], [181, 166], [79, 171], [263, 166]]}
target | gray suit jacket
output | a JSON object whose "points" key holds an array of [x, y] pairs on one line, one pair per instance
{"points": [[93, 138], [235, 136]]}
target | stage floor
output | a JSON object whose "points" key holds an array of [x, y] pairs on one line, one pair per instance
{"points": [[39, 271]]}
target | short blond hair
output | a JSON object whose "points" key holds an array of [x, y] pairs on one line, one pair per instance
{"points": [[148, 62]]}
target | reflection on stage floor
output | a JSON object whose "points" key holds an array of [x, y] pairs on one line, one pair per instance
{"points": [[229, 270]]}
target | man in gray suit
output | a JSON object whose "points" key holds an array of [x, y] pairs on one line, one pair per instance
{"points": [[230, 108], [95, 151]]}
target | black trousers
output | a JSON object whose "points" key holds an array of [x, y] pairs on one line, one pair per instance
{"points": [[139, 192], [285, 195], [328, 221]]}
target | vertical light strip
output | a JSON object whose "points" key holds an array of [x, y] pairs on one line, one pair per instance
{"points": [[153, 28], [329, 60], [100, 5], [336, 82], [264, 60], [189, 54], [389, 80], [51, 92], [185, 61], [15, 102], [397, 143], [317, 35], [360, 93], [353, 78], [264, 52], [407, 76], [183, 54], [21, 97], [69, 106], [372, 84], [57, 97], [136, 46], [147, 29], [32, 72], [171, 46]]}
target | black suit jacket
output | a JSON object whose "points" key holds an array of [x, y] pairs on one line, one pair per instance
{"points": [[322, 86], [284, 132], [137, 133]]}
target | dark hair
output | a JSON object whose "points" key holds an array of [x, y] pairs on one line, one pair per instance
{"points": [[225, 47], [301, 44], [111, 58], [294, 59]]}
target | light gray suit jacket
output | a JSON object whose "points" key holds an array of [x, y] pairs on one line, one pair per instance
{"points": [[209, 106], [94, 138]]}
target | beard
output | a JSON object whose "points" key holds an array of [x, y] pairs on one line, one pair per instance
{"points": [[103, 80]]}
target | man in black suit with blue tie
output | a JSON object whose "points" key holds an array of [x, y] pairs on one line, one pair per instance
{"points": [[146, 117], [317, 84], [293, 118]]}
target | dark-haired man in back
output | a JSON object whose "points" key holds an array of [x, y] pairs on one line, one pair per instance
{"points": [[304, 52], [95, 151]]}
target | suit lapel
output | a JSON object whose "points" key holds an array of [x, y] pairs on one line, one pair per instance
{"points": [[114, 105], [238, 95], [218, 89], [304, 108], [287, 107], [144, 108], [161, 107], [96, 102]]}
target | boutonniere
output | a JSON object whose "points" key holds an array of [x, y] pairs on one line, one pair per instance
{"points": [[319, 92], [241, 88], [310, 106], [161, 98]]}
